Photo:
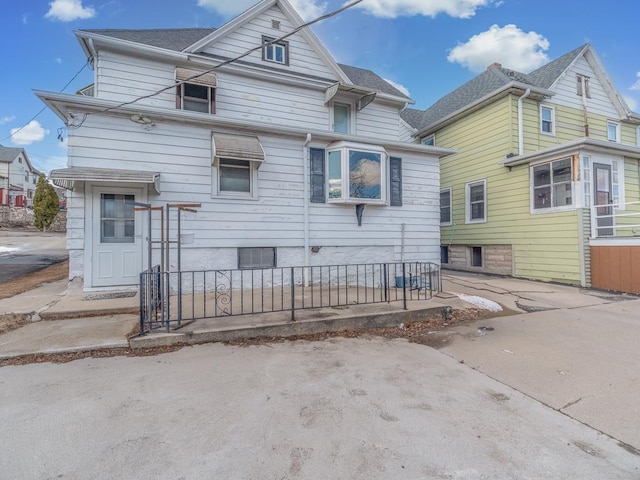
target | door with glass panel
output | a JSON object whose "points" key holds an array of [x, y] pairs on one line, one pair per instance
{"points": [[602, 199], [117, 253]]}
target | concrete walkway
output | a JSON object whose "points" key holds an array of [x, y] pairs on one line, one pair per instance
{"points": [[358, 409]]}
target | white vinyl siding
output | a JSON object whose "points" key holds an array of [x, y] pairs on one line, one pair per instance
{"points": [[302, 57], [566, 91]]}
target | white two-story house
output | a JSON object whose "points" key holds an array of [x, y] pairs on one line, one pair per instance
{"points": [[18, 178], [294, 159]]}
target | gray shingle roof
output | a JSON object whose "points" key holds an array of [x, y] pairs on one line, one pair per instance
{"points": [[366, 78], [491, 80], [8, 154], [178, 39]]}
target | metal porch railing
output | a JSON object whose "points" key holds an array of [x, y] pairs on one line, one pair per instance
{"points": [[169, 299]]}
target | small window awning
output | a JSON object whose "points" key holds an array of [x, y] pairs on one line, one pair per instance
{"points": [[66, 177], [201, 78], [240, 147], [366, 96]]}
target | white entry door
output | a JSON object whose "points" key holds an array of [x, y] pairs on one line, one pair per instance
{"points": [[117, 239]]}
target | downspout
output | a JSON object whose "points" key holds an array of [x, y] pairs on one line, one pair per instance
{"points": [[307, 260], [521, 122], [585, 110]]}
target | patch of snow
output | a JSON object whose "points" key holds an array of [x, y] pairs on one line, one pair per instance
{"points": [[480, 302], [8, 249]]}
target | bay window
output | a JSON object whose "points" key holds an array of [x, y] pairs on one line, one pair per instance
{"points": [[356, 174]]}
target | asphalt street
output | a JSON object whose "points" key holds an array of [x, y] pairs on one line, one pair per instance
{"points": [[23, 252], [336, 409]]}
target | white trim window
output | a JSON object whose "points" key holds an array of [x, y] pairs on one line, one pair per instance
{"points": [[582, 86], [275, 51], [613, 131], [430, 140], [586, 181], [476, 201], [547, 120], [196, 98], [236, 159], [445, 206], [357, 173], [341, 117], [551, 185]]}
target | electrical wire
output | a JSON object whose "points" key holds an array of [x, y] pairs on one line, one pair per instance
{"points": [[45, 107], [221, 64]]}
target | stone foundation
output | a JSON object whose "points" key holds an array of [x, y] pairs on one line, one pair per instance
{"points": [[496, 259]]}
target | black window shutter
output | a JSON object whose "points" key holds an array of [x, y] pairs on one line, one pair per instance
{"points": [[316, 190], [395, 174]]}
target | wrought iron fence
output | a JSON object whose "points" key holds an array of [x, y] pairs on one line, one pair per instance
{"points": [[167, 299]]}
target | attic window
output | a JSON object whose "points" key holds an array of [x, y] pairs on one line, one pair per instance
{"points": [[275, 51], [583, 86]]}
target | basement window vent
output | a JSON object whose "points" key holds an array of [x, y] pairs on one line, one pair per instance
{"points": [[476, 256]]}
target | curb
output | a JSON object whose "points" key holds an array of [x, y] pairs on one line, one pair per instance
{"points": [[286, 329]]}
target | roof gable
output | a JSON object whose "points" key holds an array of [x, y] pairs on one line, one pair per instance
{"points": [[496, 78], [307, 54], [9, 154]]}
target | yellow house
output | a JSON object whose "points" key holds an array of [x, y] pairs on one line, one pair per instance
{"points": [[546, 181]]}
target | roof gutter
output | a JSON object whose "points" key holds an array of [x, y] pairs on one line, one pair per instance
{"points": [[63, 103], [590, 143], [482, 101]]}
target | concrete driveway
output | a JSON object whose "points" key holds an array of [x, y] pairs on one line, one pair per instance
{"points": [[578, 350], [23, 251], [337, 409]]}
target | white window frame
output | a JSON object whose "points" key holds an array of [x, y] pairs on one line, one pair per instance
{"points": [[344, 148], [351, 117], [210, 98], [252, 194], [467, 201], [270, 50], [552, 111], [551, 209], [429, 140], [579, 84], [450, 222], [616, 127]]}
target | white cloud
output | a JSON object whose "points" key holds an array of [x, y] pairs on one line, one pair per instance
{"points": [[507, 45], [69, 10], [6, 119], [57, 60], [399, 86], [632, 103], [307, 9], [636, 86], [30, 133], [428, 8]]}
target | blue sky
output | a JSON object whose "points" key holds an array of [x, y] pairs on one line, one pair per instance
{"points": [[428, 46]]}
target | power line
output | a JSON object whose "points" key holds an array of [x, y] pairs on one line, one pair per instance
{"points": [[222, 64], [45, 107]]}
